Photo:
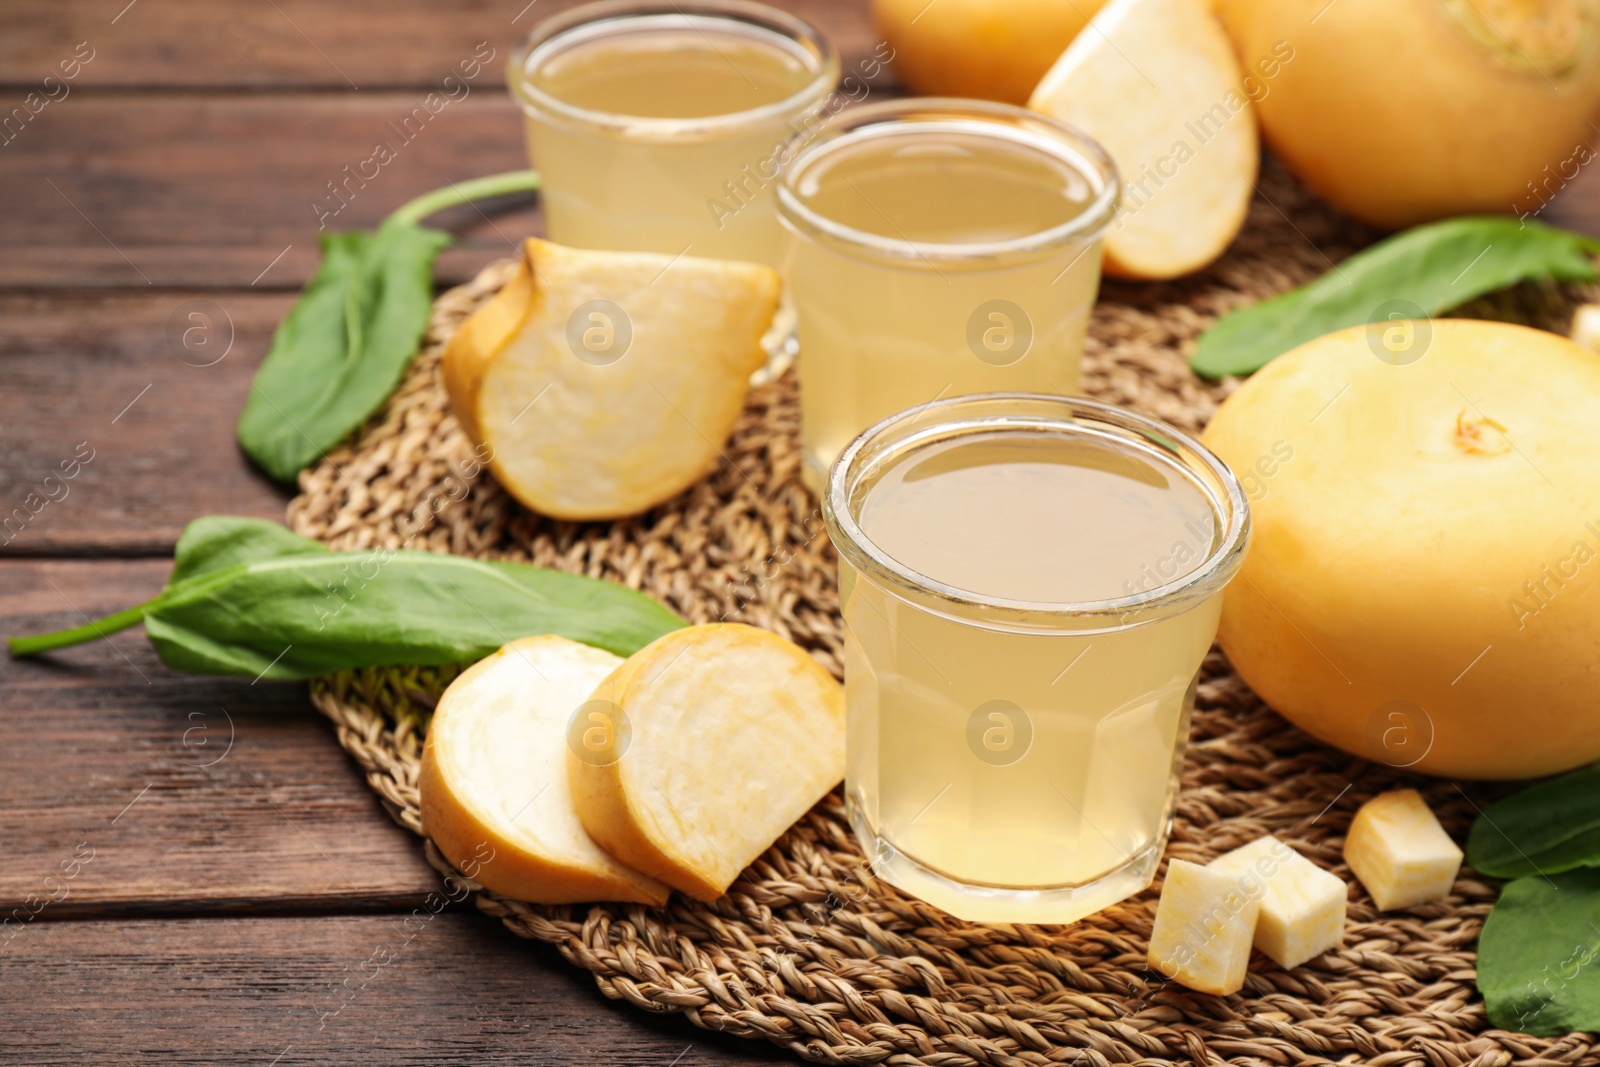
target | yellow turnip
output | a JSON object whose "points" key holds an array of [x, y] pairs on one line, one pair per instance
{"points": [[1424, 584], [992, 49], [1403, 111]]}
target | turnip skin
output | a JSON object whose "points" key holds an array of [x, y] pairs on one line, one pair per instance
{"points": [[1427, 546]]}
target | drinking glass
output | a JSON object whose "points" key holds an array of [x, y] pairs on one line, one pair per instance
{"points": [[658, 127], [1013, 757], [940, 248]]}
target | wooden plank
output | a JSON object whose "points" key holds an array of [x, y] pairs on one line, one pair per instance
{"points": [[452, 989], [370, 44], [110, 380], [224, 268], [185, 794], [141, 190]]}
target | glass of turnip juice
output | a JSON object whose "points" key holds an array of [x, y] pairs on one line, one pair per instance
{"points": [[940, 247], [657, 127], [1029, 585]]}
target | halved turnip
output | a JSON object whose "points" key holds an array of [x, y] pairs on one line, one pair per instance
{"points": [[1156, 83], [724, 735], [494, 792], [604, 383]]}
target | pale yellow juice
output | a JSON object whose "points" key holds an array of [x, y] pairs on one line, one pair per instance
{"points": [[1019, 762], [660, 131], [938, 258]]}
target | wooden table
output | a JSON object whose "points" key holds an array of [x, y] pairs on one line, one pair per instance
{"points": [[192, 865]]}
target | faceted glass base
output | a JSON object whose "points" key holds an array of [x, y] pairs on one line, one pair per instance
{"points": [[992, 904]]}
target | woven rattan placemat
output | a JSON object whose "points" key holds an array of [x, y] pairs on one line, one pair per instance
{"points": [[807, 950]]}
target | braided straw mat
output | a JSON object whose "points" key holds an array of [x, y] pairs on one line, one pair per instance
{"points": [[807, 949]]}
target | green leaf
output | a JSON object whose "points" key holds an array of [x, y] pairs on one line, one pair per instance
{"points": [[343, 347], [347, 341], [1539, 955], [250, 598], [217, 542], [1435, 267], [1548, 828]]}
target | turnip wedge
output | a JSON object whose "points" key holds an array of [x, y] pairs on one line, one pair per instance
{"points": [[1156, 82]]}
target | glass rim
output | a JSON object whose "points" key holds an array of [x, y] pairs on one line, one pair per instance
{"points": [[853, 544], [1082, 151], [537, 103]]}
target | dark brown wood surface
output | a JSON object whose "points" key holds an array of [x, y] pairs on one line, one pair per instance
{"points": [[302, 44], [195, 795], [411, 987], [203, 190], [192, 869]]}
